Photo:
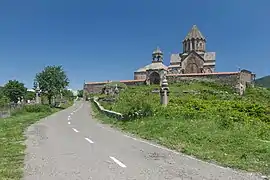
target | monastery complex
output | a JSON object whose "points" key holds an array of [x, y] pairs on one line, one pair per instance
{"points": [[193, 63]]}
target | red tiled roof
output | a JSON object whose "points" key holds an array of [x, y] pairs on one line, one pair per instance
{"points": [[104, 82], [138, 80], [205, 74], [123, 81]]}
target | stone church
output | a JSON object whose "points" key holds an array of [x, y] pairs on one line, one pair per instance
{"points": [[193, 59], [193, 63]]}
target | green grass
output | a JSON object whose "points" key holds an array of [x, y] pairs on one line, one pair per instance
{"points": [[213, 124], [12, 147]]}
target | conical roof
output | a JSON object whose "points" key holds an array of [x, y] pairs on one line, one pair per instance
{"points": [[194, 33], [157, 51]]}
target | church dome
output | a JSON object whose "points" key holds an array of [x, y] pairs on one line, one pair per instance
{"points": [[158, 65]]}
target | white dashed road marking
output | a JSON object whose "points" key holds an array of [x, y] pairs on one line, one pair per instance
{"points": [[75, 130], [89, 140], [118, 162], [68, 122]]}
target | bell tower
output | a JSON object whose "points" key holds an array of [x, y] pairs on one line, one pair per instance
{"points": [[157, 55], [194, 41]]}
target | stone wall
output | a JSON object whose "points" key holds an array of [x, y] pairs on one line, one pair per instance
{"points": [[139, 75], [109, 113], [247, 77], [235, 79], [96, 87], [230, 78]]}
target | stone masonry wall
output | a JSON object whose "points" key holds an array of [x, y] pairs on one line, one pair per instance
{"points": [[228, 78], [109, 113], [96, 87]]}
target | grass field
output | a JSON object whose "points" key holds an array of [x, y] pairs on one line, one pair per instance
{"points": [[12, 139], [206, 120]]}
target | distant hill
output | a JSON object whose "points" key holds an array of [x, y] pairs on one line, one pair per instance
{"points": [[264, 81]]}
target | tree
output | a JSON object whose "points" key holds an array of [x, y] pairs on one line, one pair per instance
{"points": [[30, 95], [52, 80], [68, 94], [80, 93], [14, 90], [3, 99]]}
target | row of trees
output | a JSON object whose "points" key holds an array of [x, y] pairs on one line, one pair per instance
{"points": [[52, 82]]}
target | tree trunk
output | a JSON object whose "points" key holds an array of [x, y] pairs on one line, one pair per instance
{"points": [[50, 100]]}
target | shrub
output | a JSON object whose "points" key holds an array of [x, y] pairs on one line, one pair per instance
{"points": [[36, 108]]}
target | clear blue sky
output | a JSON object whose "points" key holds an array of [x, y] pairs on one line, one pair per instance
{"points": [[101, 40]]}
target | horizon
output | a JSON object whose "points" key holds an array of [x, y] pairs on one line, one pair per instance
{"points": [[109, 41]]}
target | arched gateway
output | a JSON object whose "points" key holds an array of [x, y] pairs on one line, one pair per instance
{"points": [[154, 78]]}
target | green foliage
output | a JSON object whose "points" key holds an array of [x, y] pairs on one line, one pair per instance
{"points": [[30, 95], [14, 90], [67, 94], [3, 101], [36, 108], [197, 99], [52, 80], [80, 93]]}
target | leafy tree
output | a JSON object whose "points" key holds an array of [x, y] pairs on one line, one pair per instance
{"points": [[30, 95], [67, 94], [1, 90], [51, 81], [80, 93], [14, 90], [3, 99]]}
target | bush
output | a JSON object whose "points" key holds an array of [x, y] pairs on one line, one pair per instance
{"points": [[36, 108], [191, 100]]}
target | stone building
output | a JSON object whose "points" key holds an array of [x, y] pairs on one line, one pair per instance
{"points": [[153, 72], [193, 59]]}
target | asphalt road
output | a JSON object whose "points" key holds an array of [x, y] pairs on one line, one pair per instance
{"points": [[71, 145]]}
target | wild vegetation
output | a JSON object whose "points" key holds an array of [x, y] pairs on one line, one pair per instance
{"points": [[204, 119], [12, 128]]}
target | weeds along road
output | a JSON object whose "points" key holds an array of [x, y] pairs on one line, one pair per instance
{"points": [[72, 145]]}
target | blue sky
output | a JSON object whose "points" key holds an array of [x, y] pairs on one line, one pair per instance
{"points": [[109, 40]]}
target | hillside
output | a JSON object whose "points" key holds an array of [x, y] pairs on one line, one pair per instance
{"points": [[207, 120], [264, 81]]}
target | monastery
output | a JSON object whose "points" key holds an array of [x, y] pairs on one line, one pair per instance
{"points": [[193, 63]]}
